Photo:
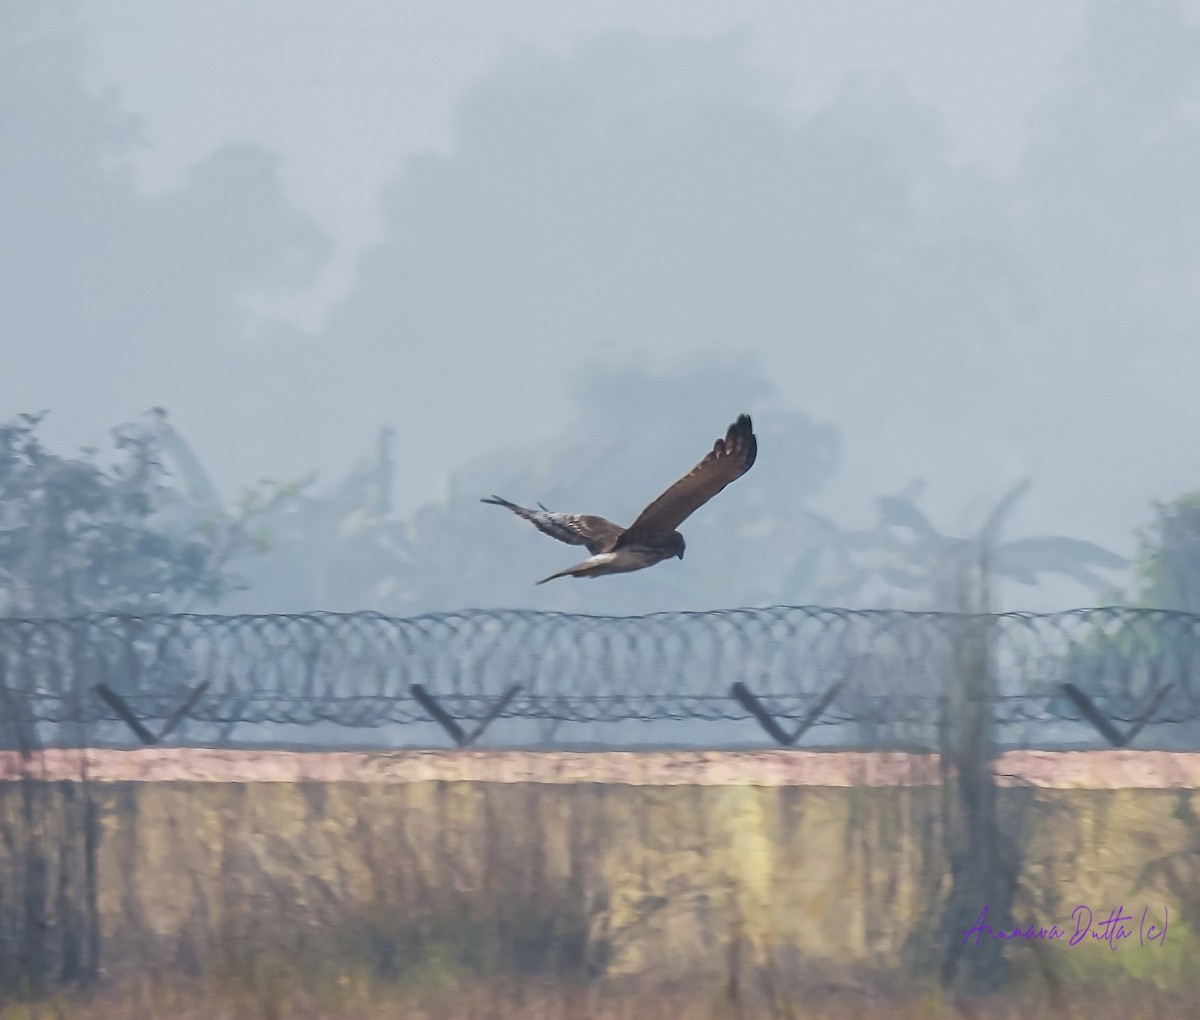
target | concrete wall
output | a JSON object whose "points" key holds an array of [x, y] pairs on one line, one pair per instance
{"points": [[677, 863]]}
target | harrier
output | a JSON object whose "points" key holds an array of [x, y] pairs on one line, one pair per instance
{"points": [[652, 537]]}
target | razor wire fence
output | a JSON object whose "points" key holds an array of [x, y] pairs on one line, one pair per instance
{"points": [[866, 677]]}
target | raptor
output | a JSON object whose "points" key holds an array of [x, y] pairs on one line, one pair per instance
{"points": [[653, 536]]}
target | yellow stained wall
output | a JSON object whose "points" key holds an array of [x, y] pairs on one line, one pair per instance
{"points": [[669, 878]]}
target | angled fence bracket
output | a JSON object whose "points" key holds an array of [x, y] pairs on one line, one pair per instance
{"points": [[121, 707], [757, 709], [183, 710], [450, 724], [1097, 718]]}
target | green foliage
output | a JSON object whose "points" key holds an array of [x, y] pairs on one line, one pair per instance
{"points": [[79, 536], [1167, 563]]}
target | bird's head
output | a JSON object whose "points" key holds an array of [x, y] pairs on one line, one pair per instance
{"points": [[678, 545]]}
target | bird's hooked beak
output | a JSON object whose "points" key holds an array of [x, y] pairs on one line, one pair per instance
{"points": [[682, 549]]}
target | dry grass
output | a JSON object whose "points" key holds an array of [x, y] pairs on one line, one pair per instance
{"points": [[272, 993]]}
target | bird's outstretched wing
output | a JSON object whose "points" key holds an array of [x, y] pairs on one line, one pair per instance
{"points": [[588, 530], [729, 459]]}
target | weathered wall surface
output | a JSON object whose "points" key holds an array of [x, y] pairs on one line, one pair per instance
{"points": [[619, 863]]}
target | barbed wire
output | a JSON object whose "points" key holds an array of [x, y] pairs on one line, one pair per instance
{"points": [[357, 670]]}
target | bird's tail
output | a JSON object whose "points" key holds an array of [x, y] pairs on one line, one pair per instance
{"points": [[521, 511], [497, 501]]}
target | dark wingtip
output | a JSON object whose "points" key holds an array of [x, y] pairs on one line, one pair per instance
{"points": [[495, 500], [743, 429]]}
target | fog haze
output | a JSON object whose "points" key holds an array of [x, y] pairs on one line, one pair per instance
{"points": [[558, 249]]}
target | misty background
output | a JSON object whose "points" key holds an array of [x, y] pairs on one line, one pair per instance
{"points": [[394, 258]]}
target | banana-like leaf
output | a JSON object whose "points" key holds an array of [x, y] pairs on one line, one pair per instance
{"points": [[1054, 552], [903, 513], [990, 531], [195, 479]]}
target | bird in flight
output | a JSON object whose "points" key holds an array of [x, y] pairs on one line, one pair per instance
{"points": [[652, 537]]}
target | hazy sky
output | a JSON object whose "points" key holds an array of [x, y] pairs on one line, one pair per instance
{"points": [[965, 234], [348, 93]]}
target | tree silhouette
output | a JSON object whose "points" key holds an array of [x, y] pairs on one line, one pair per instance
{"points": [[114, 299], [341, 550], [907, 554], [81, 536], [1167, 563]]}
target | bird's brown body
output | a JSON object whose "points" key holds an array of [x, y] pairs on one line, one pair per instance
{"points": [[653, 537]]}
